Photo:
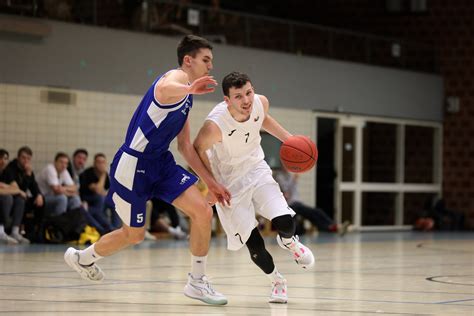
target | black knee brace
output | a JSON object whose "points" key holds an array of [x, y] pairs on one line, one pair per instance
{"points": [[285, 225], [259, 255]]}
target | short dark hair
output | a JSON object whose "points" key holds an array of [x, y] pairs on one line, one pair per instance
{"points": [[3, 153], [80, 151], [190, 45], [99, 155], [25, 149], [61, 155], [234, 80]]}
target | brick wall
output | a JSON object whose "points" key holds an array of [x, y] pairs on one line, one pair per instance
{"points": [[449, 25]]}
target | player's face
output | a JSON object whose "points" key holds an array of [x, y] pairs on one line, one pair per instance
{"points": [[202, 62], [241, 99]]}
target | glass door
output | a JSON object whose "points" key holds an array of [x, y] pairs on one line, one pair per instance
{"points": [[348, 157], [377, 173]]}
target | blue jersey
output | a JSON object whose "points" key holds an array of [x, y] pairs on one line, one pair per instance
{"points": [[154, 126], [144, 167]]}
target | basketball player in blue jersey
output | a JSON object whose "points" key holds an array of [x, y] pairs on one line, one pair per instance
{"points": [[229, 146], [144, 168]]}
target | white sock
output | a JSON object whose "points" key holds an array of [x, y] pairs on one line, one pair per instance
{"points": [[2, 229], [88, 256], [198, 266], [275, 275], [15, 230]]}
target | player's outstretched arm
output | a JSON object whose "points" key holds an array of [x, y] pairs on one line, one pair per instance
{"points": [[189, 153], [203, 85], [174, 86], [270, 124]]}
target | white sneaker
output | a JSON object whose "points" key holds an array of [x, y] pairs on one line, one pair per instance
{"points": [[91, 273], [7, 240], [149, 236], [302, 254], [279, 292], [177, 232], [201, 289], [20, 239]]}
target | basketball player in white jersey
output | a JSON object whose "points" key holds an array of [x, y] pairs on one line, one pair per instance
{"points": [[229, 146], [144, 168]]}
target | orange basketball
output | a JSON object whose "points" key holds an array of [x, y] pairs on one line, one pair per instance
{"points": [[298, 154]]}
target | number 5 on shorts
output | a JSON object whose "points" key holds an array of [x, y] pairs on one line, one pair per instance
{"points": [[140, 218]]}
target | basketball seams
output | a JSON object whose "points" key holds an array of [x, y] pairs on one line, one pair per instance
{"points": [[297, 149], [310, 145], [295, 154]]}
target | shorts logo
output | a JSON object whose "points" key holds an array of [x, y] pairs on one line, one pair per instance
{"points": [[186, 109], [141, 171], [184, 179]]}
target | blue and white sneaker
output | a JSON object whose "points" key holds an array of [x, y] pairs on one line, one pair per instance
{"points": [[201, 289], [91, 273]]}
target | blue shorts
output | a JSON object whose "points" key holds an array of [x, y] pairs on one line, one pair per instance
{"points": [[134, 180]]}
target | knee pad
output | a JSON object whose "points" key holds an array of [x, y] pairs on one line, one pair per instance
{"points": [[285, 225]]}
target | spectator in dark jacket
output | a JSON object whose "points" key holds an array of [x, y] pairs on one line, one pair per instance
{"points": [[20, 172], [93, 189]]}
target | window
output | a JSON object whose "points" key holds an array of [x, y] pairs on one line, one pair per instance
{"points": [[419, 150], [379, 152]]}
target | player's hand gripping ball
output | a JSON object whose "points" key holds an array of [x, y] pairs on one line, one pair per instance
{"points": [[298, 154]]}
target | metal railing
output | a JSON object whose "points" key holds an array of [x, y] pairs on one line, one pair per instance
{"points": [[228, 27]]}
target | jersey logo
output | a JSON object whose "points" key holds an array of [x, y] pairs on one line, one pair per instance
{"points": [[256, 119], [240, 238], [231, 132], [184, 179]]}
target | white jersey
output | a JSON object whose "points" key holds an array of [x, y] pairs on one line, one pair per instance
{"points": [[237, 163], [239, 152]]}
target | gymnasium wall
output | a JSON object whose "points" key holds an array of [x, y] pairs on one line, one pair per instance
{"points": [[109, 70], [98, 122], [100, 59]]}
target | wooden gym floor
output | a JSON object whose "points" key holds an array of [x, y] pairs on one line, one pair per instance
{"points": [[401, 273]]}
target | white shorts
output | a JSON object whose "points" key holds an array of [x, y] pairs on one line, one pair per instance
{"points": [[263, 198]]}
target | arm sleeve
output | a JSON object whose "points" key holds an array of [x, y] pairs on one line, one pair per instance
{"points": [[107, 182], [34, 189], [8, 176]]}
